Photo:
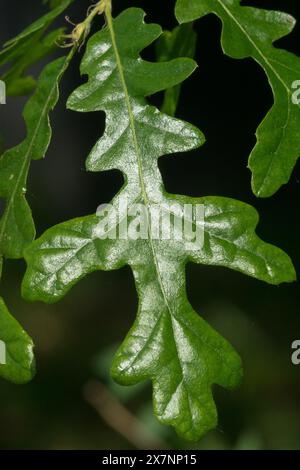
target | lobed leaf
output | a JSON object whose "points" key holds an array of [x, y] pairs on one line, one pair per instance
{"points": [[16, 224], [251, 32], [168, 343]]}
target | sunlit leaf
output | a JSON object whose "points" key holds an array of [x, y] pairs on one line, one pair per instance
{"points": [[168, 343]]}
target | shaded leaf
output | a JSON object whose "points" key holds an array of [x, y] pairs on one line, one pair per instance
{"points": [[27, 48], [39, 25], [168, 343], [52, 3], [16, 83], [16, 349], [181, 42], [251, 32], [16, 224]]}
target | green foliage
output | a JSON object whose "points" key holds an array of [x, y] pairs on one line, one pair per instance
{"points": [[16, 224], [16, 83], [168, 343], [38, 25], [181, 42], [19, 364], [251, 32], [27, 48]]}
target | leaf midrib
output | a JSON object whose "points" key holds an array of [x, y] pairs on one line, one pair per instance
{"points": [[256, 47], [27, 158], [135, 140], [277, 75], [22, 173], [140, 166]]}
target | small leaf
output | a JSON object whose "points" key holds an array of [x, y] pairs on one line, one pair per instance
{"points": [[16, 224], [251, 32], [16, 349], [181, 42], [168, 343]]}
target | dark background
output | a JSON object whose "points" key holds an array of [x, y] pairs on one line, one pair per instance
{"points": [[75, 338]]}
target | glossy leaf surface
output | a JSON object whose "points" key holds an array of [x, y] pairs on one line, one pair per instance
{"points": [[168, 343]]}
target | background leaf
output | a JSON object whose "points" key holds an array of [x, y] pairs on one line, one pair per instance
{"points": [[251, 32], [16, 83], [181, 42], [38, 25], [168, 343], [16, 224], [19, 364], [27, 48]]}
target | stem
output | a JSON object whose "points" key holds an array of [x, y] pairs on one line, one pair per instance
{"points": [[119, 417], [81, 30]]}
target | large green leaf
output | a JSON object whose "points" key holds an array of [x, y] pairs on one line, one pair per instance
{"points": [[250, 32], [16, 224], [16, 349], [168, 343]]}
